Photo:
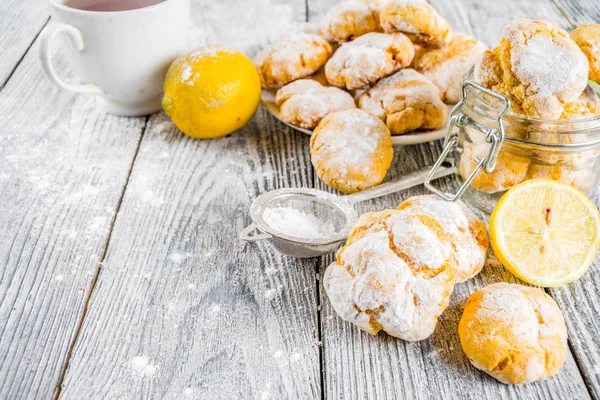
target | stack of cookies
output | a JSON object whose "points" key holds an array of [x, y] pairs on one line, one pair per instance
{"points": [[397, 272], [380, 65], [544, 72], [399, 267]]}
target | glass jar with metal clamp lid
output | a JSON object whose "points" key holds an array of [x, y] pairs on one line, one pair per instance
{"points": [[496, 149]]}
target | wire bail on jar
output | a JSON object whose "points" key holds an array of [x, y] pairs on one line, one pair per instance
{"points": [[458, 119]]}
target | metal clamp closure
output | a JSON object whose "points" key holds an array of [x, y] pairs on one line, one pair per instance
{"points": [[458, 119]]}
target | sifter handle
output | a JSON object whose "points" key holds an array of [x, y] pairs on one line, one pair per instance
{"points": [[406, 182], [250, 234]]}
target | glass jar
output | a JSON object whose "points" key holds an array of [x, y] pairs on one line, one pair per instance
{"points": [[495, 149]]}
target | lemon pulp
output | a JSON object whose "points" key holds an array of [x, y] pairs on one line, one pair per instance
{"points": [[545, 232]]}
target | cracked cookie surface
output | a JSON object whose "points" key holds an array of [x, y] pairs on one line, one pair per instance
{"points": [[306, 102], [405, 101], [417, 19], [369, 58], [350, 19], [446, 66], [463, 229], [293, 57], [351, 150], [514, 333], [395, 274], [537, 66]]}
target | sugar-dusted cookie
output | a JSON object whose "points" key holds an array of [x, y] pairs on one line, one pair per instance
{"points": [[566, 173], [405, 101], [447, 65], [294, 57], [514, 333], [351, 150], [585, 106], [417, 19], [463, 229], [510, 169], [587, 38], [395, 274], [348, 20], [368, 58], [305, 102], [537, 66]]}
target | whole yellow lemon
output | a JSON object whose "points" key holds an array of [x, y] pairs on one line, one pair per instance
{"points": [[211, 92]]}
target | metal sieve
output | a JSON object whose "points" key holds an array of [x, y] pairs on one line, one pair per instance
{"points": [[328, 207]]}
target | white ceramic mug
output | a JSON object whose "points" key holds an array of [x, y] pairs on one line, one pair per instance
{"points": [[123, 56]]}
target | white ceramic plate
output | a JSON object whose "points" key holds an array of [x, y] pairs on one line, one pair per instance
{"points": [[268, 100]]}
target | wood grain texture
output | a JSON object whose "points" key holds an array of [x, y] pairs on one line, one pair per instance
{"points": [[183, 308], [64, 167], [215, 317], [20, 23], [580, 11], [358, 365]]}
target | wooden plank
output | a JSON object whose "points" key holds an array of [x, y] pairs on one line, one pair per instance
{"points": [[64, 167], [581, 299], [580, 11], [358, 365], [183, 308], [20, 23]]}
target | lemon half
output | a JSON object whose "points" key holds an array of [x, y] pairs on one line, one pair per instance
{"points": [[545, 232]]}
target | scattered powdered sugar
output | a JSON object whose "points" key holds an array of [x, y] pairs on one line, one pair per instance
{"points": [[59, 278], [178, 258], [141, 366], [295, 357], [293, 222], [270, 294]]}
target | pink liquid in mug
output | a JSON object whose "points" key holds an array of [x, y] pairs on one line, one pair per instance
{"points": [[110, 5]]}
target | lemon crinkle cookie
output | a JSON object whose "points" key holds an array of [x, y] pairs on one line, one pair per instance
{"points": [[537, 66], [294, 57], [306, 102], [462, 228], [348, 20], [514, 333], [447, 65], [368, 58], [405, 101], [587, 38], [417, 19], [510, 168], [351, 150], [394, 274]]}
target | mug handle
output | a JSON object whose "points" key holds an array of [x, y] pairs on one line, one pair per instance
{"points": [[46, 40]]}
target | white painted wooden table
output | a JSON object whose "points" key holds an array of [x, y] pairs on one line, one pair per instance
{"points": [[121, 275]]}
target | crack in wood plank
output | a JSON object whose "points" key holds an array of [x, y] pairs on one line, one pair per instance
{"points": [[21, 22], [90, 291], [563, 13], [12, 71]]}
